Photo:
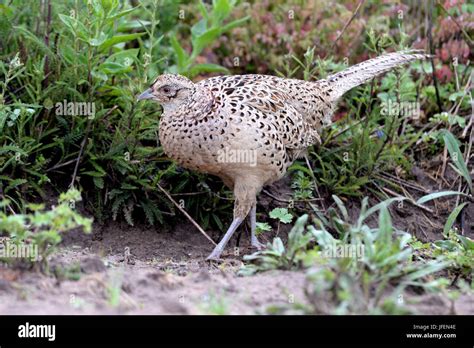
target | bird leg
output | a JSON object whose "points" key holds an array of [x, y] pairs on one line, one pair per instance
{"points": [[216, 253], [253, 226], [245, 194]]}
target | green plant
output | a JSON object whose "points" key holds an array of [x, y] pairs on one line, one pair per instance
{"points": [[456, 155], [276, 256], [203, 34], [114, 291], [302, 183], [40, 231], [100, 53], [373, 281], [69, 272], [460, 251], [364, 270], [215, 305], [262, 227]]}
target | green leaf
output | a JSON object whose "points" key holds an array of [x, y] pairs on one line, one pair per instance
{"points": [[15, 183], [278, 246], [203, 10], [198, 29], [298, 167], [218, 222], [452, 217], [282, 215], [204, 40], [75, 26], [98, 182], [220, 11], [97, 41], [206, 68], [124, 58], [181, 55], [93, 174], [262, 227], [378, 206], [341, 206], [466, 242], [121, 14], [456, 156], [118, 39], [323, 237], [234, 24], [113, 68], [436, 195], [385, 224]]}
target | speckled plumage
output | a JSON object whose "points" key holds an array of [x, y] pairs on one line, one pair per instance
{"points": [[273, 120]]}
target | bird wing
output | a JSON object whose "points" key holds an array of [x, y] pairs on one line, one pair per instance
{"points": [[296, 133], [265, 103]]}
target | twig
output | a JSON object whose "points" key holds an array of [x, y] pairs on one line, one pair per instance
{"points": [[354, 14], [186, 214], [189, 193], [288, 201], [388, 177], [276, 198], [83, 144], [331, 137], [468, 38], [395, 194], [430, 40], [47, 8], [314, 181], [201, 193], [445, 156], [59, 165]]}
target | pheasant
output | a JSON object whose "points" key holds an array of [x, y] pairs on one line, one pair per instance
{"points": [[248, 129]]}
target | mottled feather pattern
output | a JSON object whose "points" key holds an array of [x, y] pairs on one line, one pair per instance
{"points": [[273, 119]]}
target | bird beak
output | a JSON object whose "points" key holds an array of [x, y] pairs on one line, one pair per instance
{"points": [[146, 95]]}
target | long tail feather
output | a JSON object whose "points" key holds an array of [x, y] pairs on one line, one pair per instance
{"points": [[358, 74]]}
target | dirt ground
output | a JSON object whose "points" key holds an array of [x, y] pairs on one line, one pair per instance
{"points": [[163, 273], [136, 270], [152, 270]]}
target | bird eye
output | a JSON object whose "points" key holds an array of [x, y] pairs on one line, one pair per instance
{"points": [[166, 90]]}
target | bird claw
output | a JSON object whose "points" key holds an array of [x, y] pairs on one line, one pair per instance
{"points": [[257, 245], [214, 256], [211, 258]]}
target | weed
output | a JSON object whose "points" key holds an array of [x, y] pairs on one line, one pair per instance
{"points": [[40, 230]]}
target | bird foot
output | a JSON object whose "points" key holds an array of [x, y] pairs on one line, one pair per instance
{"points": [[215, 255], [257, 245]]}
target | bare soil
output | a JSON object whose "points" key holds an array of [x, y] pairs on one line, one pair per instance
{"points": [[136, 270], [149, 270], [166, 273]]}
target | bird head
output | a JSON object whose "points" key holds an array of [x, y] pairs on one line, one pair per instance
{"points": [[169, 90]]}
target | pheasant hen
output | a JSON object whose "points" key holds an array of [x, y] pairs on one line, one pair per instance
{"points": [[248, 129]]}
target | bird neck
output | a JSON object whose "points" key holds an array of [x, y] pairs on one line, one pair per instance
{"points": [[197, 104]]}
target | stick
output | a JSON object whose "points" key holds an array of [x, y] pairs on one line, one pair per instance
{"points": [[466, 35], [393, 193], [347, 24], [432, 53], [314, 181], [83, 144], [186, 214]]}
